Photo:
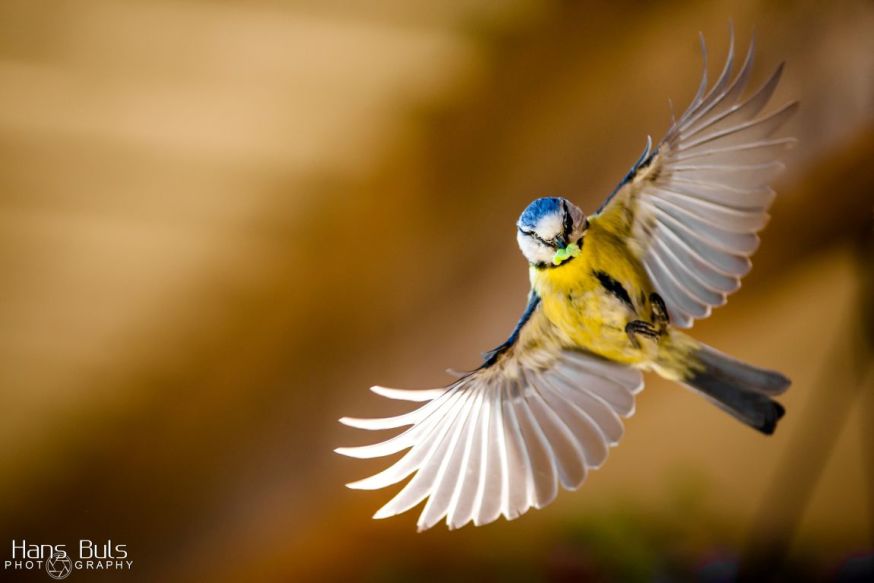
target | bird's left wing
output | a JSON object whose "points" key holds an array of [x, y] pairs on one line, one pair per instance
{"points": [[501, 439], [691, 209]]}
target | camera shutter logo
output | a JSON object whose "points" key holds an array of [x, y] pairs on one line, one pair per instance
{"points": [[59, 566]]}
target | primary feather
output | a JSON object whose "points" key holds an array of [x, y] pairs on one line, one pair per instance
{"points": [[702, 196]]}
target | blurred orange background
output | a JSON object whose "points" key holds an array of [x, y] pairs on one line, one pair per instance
{"points": [[221, 222]]}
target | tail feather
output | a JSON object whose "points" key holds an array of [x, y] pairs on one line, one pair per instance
{"points": [[740, 389], [745, 376]]}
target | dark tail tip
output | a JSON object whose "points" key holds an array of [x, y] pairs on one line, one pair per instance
{"points": [[741, 389], [773, 413], [755, 409]]}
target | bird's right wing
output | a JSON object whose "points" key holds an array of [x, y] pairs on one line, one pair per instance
{"points": [[691, 209], [502, 439]]}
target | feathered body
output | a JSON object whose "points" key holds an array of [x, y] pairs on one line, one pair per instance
{"points": [[609, 296], [593, 298]]}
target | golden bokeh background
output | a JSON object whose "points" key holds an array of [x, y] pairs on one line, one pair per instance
{"points": [[220, 222]]}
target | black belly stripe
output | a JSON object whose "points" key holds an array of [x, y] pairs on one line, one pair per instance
{"points": [[615, 288]]}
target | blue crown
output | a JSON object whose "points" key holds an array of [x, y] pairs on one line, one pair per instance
{"points": [[548, 205]]}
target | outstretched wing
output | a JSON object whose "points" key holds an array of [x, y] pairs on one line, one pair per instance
{"points": [[693, 207], [503, 438]]}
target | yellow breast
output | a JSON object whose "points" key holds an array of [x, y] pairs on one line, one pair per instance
{"points": [[576, 300]]}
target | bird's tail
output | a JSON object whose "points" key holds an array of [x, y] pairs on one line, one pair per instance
{"points": [[741, 389]]}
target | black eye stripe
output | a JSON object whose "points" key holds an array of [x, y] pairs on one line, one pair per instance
{"points": [[534, 235]]}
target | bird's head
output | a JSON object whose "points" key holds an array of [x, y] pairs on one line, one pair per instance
{"points": [[550, 231]]}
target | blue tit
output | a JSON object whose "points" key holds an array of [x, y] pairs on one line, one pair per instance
{"points": [[610, 294]]}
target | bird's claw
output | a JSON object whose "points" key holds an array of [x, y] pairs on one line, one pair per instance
{"points": [[640, 327]]}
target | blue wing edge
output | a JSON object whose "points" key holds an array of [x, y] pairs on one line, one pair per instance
{"points": [[491, 357]]}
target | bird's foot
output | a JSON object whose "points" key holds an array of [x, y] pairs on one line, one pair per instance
{"points": [[660, 316], [640, 327]]}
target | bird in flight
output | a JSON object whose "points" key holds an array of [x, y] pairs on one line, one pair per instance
{"points": [[610, 294]]}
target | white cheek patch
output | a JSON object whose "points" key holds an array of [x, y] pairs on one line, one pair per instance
{"points": [[533, 250]]}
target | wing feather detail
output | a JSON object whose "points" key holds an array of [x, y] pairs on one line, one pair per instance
{"points": [[700, 199], [506, 437], [494, 492], [408, 395]]}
